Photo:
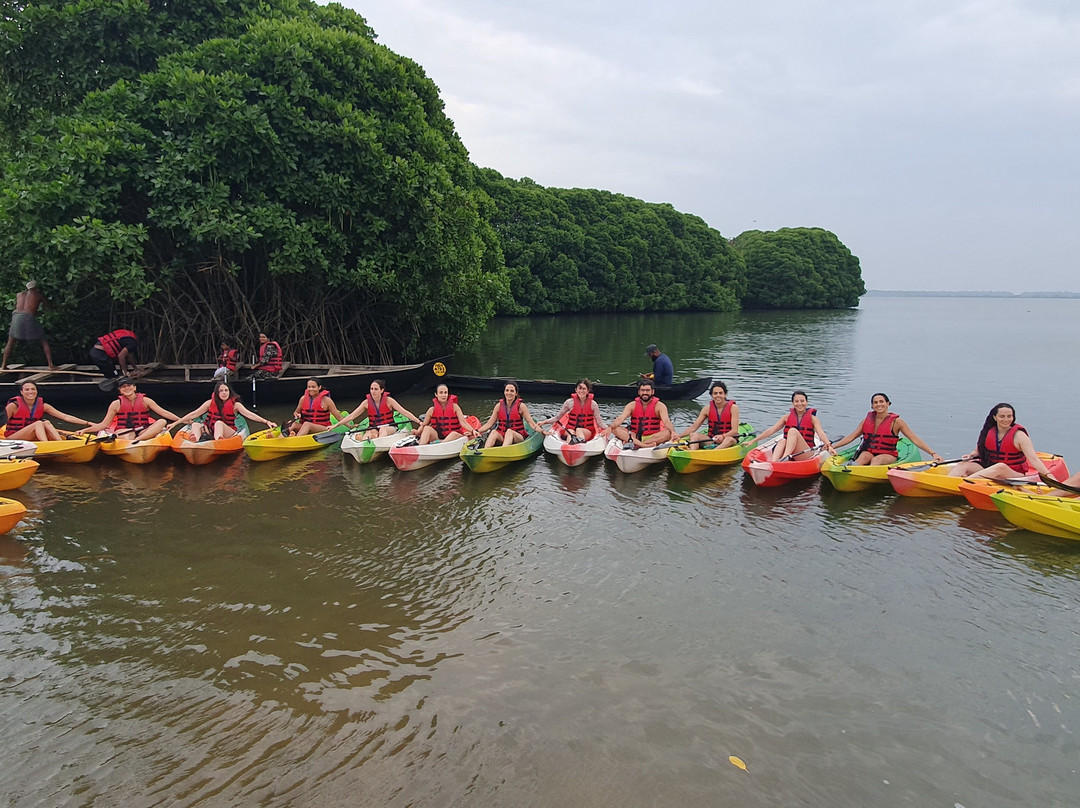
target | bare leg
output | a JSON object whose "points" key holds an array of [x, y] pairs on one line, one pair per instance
{"points": [[7, 351], [48, 354]]}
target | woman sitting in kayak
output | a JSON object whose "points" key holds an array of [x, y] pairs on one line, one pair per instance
{"points": [[26, 416], [508, 418], [1002, 451], [379, 406], [220, 411], [800, 426], [313, 411], [131, 413], [583, 421], [880, 431], [722, 417], [444, 419]]}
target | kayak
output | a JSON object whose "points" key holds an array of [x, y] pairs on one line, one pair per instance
{"points": [[1052, 516], [929, 480], [364, 451], [576, 453], [17, 448], [270, 444], [859, 478], [412, 456], [631, 460], [11, 513], [687, 460], [483, 460], [770, 473], [15, 473], [71, 450], [978, 491], [137, 451], [199, 453]]}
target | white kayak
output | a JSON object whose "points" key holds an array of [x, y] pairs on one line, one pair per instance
{"points": [[408, 455], [17, 448], [364, 451], [573, 454], [631, 460]]}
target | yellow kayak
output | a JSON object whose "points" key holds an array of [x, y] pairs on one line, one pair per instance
{"points": [[71, 450], [483, 460], [933, 480], [270, 444], [859, 478], [16, 473], [11, 513], [137, 451], [199, 453], [688, 461], [1052, 516]]}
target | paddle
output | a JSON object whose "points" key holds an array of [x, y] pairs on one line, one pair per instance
{"points": [[932, 464], [333, 435], [108, 385], [796, 454], [254, 403], [1056, 484], [110, 437]]}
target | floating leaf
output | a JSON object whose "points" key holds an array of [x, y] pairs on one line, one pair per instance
{"points": [[737, 762]]}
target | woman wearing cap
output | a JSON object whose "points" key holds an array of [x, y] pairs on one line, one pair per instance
{"points": [[131, 413], [26, 416]]}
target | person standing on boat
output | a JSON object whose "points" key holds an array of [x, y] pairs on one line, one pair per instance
{"points": [[722, 416], [508, 420], [583, 421], [131, 412], [663, 371], [444, 419], [24, 324], [227, 361], [799, 427], [647, 418], [881, 431], [26, 416], [313, 411], [1004, 449], [379, 406], [118, 347], [269, 364], [221, 411]]}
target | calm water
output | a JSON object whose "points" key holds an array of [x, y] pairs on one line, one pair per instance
{"points": [[305, 631]]}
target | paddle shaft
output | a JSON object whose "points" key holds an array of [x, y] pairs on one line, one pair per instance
{"points": [[1046, 478]]}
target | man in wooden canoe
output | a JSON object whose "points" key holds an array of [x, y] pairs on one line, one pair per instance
{"points": [[663, 371], [649, 423], [131, 413], [24, 324]]}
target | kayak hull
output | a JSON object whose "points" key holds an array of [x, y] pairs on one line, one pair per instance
{"points": [[916, 480], [691, 461], [411, 458], [483, 461], [768, 473], [73, 450], [138, 452], [269, 444], [199, 453], [630, 461], [860, 478], [15, 473], [573, 454], [11, 513], [1051, 516], [365, 451]]}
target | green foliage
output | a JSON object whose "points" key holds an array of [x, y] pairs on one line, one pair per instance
{"points": [[288, 175], [799, 268], [575, 250]]}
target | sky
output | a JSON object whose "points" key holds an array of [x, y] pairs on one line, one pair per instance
{"points": [[940, 141]]}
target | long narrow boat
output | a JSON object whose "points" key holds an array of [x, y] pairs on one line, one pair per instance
{"points": [[768, 473], [201, 452], [932, 480], [412, 456], [483, 460], [16, 473], [688, 461], [546, 387], [11, 513], [1052, 516], [138, 451], [846, 477], [632, 460]]}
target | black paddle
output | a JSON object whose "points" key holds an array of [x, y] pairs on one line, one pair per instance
{"points": [[1056, 484], [108, 385]]}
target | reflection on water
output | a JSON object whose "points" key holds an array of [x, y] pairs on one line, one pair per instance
{"points": [[311, 629]]}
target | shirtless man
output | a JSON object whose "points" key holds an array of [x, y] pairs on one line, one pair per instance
{"points": [[24, 324]]}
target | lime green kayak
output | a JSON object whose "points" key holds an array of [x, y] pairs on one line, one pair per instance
{"points": [[482, 460], [687, 460], [845, 477]]}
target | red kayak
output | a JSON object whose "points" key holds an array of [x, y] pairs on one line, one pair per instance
{"points": [[768, 473]]}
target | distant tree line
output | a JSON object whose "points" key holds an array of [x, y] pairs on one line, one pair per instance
{"points": [[215, 167]]}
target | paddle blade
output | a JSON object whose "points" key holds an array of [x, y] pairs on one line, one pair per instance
{"points": [[472, 422], [328, 437]]}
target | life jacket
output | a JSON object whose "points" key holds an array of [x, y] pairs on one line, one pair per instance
{"points": [[110, 343], [377, 417], [314, 411], [133, 414], [272, 365], [581, 416], [1003, 451], [805, 429], [24, 415], [511, 418], [644, 420], [720, 422], [227, 359], [444, 419], [218, 412], [878, 439]]}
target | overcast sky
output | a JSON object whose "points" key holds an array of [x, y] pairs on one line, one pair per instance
{"points": [[939, 140]]}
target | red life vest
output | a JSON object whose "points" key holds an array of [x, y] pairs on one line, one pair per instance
{"points": [[110, 343], [805, 429], [273, 364], [878, 439], [24, 415], [377, 417], [133, 414], [644, 420], [581, 416], [444, 419], [217, 412], [227, 359], [511, 418], [1004, 451], [314, 411], [720, 422]]}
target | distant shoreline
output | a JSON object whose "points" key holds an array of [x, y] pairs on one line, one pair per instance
{"points": [[903, 293]]}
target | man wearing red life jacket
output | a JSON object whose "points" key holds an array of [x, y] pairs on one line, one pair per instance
{"points": [[131, 414], [647, 419], [118, 347]]}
